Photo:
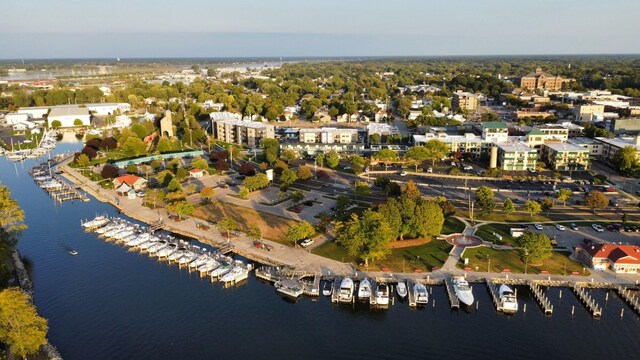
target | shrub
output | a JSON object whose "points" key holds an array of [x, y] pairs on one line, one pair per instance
{"points": [[109, 171]]}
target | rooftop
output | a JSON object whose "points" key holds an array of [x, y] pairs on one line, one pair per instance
{"points": [[518, 146], [619, 142], [618, 254], [495, 125], [245, 123], [68, 111], [565, 147]]}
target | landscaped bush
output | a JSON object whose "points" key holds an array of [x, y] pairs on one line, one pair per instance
{"points": [[109, 172]]}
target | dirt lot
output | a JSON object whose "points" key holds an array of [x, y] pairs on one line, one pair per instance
{"points": [[273, 227]]}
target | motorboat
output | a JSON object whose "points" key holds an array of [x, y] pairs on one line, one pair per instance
{"points": [[346, 290], [73, 252], [290, 288], [138, 240], [508, 300], [239, 272], [98, 221], [157, 247], [199, 261], [167, 251], [463, 290], [147, 244], [364, 289], [223, 268], [178, 254], [187, 257], [401, 289], [327, 289], [420, 294], [382, 294]]}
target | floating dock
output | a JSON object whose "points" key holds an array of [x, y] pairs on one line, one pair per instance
{"points": [[587, 300], [311, 288], [410, 294], [451, 293], [541, 298], [335, 294], [491, 286]]}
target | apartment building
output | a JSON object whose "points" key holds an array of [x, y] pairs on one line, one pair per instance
{"points": [[611, 146], [565, 156], [241, 132], [516, 156], [464, 101]]}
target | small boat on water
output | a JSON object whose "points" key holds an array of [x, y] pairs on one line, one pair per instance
{"points": [[508, 300], [463, 290], [239, 272], [73, 252], [346, 290], [364, 289], [221, 270], [288, 287], [401, 289], [382, 294], [420, 294], [327, 288]]}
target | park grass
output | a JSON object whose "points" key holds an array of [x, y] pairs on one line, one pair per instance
{"points": [[452, 226], [485, 232], [408, 259], [558, 264], [524, 217], [273, 227]]}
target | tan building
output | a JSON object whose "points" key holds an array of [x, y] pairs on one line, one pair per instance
{"points": [[565, 156], [542, 80], [166, 125], [464, 101], [516, 156], [547, 133], [328, 136], [586, 112], [241, 132]]}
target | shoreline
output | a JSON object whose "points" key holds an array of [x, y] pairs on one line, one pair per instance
{"points": [[300, 259]]}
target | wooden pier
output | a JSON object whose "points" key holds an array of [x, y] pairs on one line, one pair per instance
{"points": [[311, 288], [268, 273], [491, 286], [335, 294], [630, 298], [451, 293], [225, 249], [155, 226], [587, 300], [372, 295], [541, 298], [411, 296]]}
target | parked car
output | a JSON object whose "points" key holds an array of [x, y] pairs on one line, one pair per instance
{"points": [[430, 170], [403, 173], [587, 241], [538, 226], [560, 227], [306, 242], [597, 227], [573, 226]]}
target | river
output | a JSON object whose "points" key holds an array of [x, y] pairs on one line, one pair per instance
{"points": [[110, 303]]}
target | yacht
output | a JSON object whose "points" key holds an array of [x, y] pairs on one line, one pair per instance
{"points": [[420, 294], [401, 289], [382, 294], [187, 257], [508, 300], [346, 290], [98, 221], [178, 254], [157, 247], [199, 261], [239, 272], [364, 289], [327, 289], [73, 252], [138, 240], [463, 290], [221, 270], [167, 251], [290, 288], [147, 244]]}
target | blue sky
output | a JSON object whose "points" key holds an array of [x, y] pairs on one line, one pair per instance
{"points": [[253, 28]]}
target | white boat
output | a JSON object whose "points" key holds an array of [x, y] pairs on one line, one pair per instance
{"points": [[157, 247], [221, 270], [364, 289], [463, 290], [147, 244], [199, 261], [401, 289], [327, 289], [209, 266], [382, 294], [167, 251], [346, 290], [73, 253], [290, 288], [420, 294], [239, 272], [187, 257], [138, 240], [508, 300], [178, 254], [98, 221]]}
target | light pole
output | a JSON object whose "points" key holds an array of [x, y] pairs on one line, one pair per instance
{"points": [[488, 264], [526, 260]]}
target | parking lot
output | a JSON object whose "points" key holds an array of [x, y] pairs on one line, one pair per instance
{"points": [[571, 238]]}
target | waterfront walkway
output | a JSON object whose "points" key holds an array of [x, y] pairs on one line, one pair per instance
{"points": [[300, 258]]}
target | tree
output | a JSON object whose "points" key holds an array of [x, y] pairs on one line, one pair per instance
{"points": [[254, 232], [153, 197], [174, 185], [299, 231], [255, 182], [320, 159], [508, 207], [485, 200], [297, 197], [363, 188], [417, 155], [304, 173], [247, 169], [436, 150], [200, 163], [428, 219], [391, 213], [227, 225], [56, 124], [270, 147], [626, 161], [289, 155], [357, 163], [132, 169], [11, 218], [595, 200], [77, 122], [342, 202], [546, 203], [386, 156], [367, 237], [164, 177], [244, 192], [82, 161], [206, 193], [448, 209], [564, 195], [332, 159], [109, 172], [533, 247], [532, 207], [221, 165], [280, 166], [134, 146], [181, 208], [174, 197], [287, 178], [20, 325]]}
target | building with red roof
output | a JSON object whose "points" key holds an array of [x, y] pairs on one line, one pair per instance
{"points": [[196, 173], [619, 258], [133, 181]]}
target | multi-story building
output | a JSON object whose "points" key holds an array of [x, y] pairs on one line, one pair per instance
{"points": [[464, 101], [611, 146], [587, 112], [495, 131], [547, 133], [242, 132], [516, 156], [623, 126], [565, 156], [468, 143], [542, 80], [322, 140], [594, 147]]}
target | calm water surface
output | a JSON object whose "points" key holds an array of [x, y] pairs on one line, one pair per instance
{"points": [[109, 303]]}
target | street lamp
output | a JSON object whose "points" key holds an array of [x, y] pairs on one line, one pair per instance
{"points": [[488, 264], [526, 260]]}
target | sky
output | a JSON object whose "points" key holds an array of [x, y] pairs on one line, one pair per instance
{"points": [[32, 29]]}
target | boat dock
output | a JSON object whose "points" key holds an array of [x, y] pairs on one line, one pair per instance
{"points": [[57, 188], [268, 273], [335, 293], [372, 295], [629, 297], [587, 300], [541, 298], [225, 249], [451, 293], [491, 286], [410, 295], [312, 288]]}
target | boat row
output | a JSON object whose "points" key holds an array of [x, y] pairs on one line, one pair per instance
{"points": [[166, 247], [47, 143]]}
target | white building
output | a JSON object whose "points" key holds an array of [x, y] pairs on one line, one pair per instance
{"points": [[68, 115], [224, 115], [36, 112], [17, 118]]}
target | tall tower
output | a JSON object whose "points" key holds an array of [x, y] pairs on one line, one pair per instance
{"points": [[166, 125]]}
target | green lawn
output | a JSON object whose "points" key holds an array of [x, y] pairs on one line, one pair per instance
{"points": [[409, 259], [481, 257], [452, 226], [485, 232]]}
